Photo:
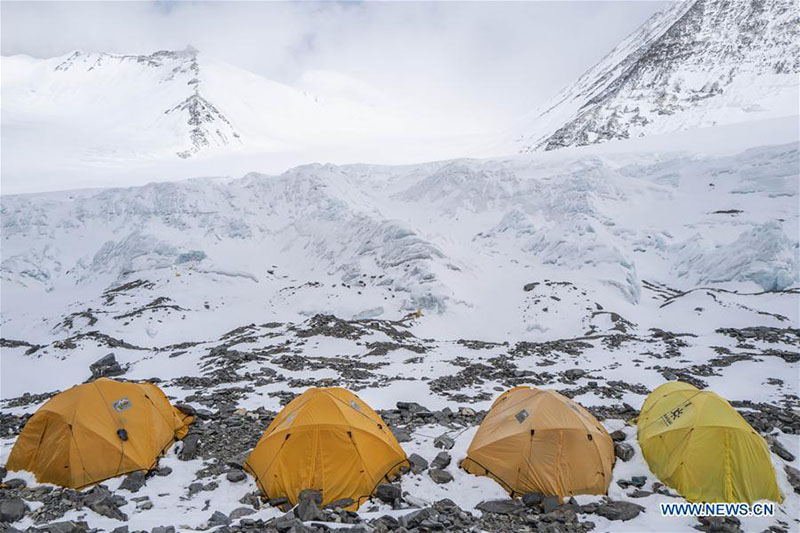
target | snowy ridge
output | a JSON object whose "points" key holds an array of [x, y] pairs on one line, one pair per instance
{"points": [[699, 63]]}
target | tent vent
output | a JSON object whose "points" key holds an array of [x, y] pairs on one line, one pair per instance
{"points": [[521, 416], [122, 434]]}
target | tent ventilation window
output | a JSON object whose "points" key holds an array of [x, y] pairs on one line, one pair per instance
{"points": [[588, 435], [521, 416]]}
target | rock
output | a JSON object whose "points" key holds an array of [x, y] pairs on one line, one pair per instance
{"points": [[401, 434], [504, 507], [134, 481], [100, 500], [532, 499], [418, 463], [185, 409], [618, 435], [413, 520], [719, 524], [574, 373], [145, 505], [120, 529], [440, 476], [163, 529], [308, 509], [235, 476], [388, 493], [794, 477], [277, 502], [105, 367], [240, 512], [12, 509], [219, 519], [442, 460], [779, 449], [444, 441], [190, 445], [413, 409], [3, 473], [550, 504], [342, 503], [635, 481], [162, 471], [624, 451], [310, 494], [68, 526], [16, 483], [619, 510]]}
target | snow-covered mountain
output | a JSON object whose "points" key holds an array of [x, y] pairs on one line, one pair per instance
{"points": [[175, 103], [699, 63]]}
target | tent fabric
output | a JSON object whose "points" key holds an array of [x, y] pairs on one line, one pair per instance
{"points": [[326, 439], [695, 442], [536, 440], [96, 431]]}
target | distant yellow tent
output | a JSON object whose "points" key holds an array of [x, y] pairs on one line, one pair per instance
{"points": [[97, 430], [536, 440], [326, 439], [695, 442]]}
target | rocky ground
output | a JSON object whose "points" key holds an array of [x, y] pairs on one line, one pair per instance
{"points": [[242, 379]]}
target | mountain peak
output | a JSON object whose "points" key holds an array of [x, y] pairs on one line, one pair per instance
{"points": [[698, 63]]}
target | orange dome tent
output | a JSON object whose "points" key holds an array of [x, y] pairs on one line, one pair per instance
{"points": [[96, 431], [536, 440], [326, 439]]}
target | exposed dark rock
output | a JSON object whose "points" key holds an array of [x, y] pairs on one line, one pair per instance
{"points": [[218, 519], [618, 435], [235, 476], [442, 460], [388, 493], [619, 510], [505, 507], [440, 476], [418, 463], [106, 366], [444, 441], [12, 509], [134, 481], [623, 451]]}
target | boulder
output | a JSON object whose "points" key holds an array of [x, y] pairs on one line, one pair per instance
{"points": [[191, 443], [235, 476], [342, 503], [240, 512], [218, 519], [106, 366], [440, 476], [388, 493], [134, 481], [618, 435], [12, 509], [619, 510], [442, 460], [444, 441], [794, 477], [418, 463], [504, 507], [623, 451], [532, 499]]}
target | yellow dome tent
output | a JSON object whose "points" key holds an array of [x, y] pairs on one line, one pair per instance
{"points": [[695, 442], [326, 439], [96, 431], [540, 441]]}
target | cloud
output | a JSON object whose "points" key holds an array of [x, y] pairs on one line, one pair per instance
{"points": [[488, 61]]}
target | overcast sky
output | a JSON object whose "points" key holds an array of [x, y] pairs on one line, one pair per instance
{"points": [[492, 59]]}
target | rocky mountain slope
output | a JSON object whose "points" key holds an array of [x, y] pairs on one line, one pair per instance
{"points": [[699, 63]]}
